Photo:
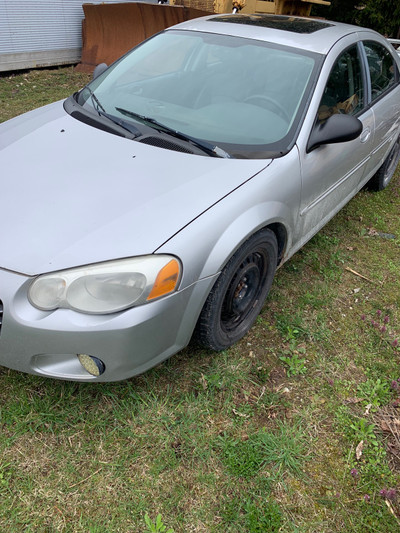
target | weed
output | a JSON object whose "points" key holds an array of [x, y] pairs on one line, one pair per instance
{"points": [[263, 517], [363, 431], [251, 514], [295, 364], [157, 526], [375, 392], [381, 328], [5, 477], [290, 327]]}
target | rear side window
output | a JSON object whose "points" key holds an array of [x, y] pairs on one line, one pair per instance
{"points": [[382, 68]]}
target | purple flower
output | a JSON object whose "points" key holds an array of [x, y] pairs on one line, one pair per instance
{"points": [[395, 384], [395, 343], [383, 493], [391, 494], [354, 472], [367, 497], [362, 317], [386, 319], [383, 329], [374, 324], [379, 312]]}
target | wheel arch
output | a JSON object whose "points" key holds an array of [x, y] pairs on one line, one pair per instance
{"points": [[242, 228], [281, 235]]}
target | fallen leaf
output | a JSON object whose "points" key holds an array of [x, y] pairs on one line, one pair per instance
{"points": [[353, 400], [240, 414], [384, 426], [368, 408], [203, 382], [359, 450]]}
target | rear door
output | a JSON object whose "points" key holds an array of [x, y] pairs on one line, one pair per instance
{"points": [[384, 94]]}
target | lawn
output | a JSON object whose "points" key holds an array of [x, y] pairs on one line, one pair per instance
{"points": [[294, 429]]}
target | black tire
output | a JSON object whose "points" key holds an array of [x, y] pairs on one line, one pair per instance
{"points": [[239, 293], [384, 174]]}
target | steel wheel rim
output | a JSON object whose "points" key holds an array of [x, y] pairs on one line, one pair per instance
{"points": [[244, 291]]}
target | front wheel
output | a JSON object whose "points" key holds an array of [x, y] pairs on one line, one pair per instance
{"points": [[384, 174], [239, 293]]}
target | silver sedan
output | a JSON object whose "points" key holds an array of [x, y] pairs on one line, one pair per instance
{"points": [[154, 205]]}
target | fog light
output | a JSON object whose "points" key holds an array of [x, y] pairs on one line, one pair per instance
{"points": [[91, 364]]}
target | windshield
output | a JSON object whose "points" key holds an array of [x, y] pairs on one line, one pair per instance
{"points": [[243, 95]]}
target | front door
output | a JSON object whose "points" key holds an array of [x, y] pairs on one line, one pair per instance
{"points": [[331, 174]]}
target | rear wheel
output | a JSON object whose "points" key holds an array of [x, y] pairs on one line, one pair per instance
{"points": [[239, 293], [384, 174]]}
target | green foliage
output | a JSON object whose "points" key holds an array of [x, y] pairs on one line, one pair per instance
{"points": [[5, 477], [157, 526], [291, 327], [294, 362], [281, 451], [341, 10], [251, 514], [242, 458], [375, 392], [263, 517], [380, 15], [363, 431]]}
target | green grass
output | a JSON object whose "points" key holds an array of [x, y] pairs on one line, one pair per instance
{"points": [[259, 438]]}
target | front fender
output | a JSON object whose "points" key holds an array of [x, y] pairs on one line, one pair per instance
{"points": [[207, 243]]}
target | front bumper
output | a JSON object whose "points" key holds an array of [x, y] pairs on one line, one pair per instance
{"points": [[128, 343]]}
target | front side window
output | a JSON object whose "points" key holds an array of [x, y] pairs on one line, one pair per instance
{"points": [[382, 68], [344, 91]]}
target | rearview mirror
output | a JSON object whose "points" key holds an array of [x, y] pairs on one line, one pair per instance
{"points": [[337, 129]]}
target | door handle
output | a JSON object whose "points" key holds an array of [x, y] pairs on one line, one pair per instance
{"points": [[365, 135]]}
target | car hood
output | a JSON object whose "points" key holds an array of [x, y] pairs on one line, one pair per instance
{"points": [[74, 195]]}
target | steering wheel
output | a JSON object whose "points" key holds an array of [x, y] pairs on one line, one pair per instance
{"points": [[262, 100]]}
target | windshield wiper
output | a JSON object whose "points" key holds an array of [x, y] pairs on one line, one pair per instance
{"points": [[121, 122], [128, 126], [96, 102], [207, 147]]}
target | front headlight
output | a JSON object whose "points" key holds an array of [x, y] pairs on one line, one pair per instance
{"points": [[107, 287]]}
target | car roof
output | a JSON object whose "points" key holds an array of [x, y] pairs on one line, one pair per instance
{"points": [[309, 34]]}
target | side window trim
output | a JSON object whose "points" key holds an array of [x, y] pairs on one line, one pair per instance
{"points": [[396, 83], [366, 75]]}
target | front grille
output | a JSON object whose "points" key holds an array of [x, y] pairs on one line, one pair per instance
{"points": [[161, 142], [1, 314]]}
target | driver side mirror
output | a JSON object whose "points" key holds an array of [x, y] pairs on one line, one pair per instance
{"points": [[337, 129], [99, 70]]}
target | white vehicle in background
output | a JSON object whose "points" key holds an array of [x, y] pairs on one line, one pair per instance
{"points": [[396, 44]]}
